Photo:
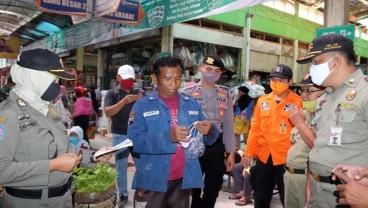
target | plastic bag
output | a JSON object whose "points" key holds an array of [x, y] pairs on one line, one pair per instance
{"points": [[195, 146]]}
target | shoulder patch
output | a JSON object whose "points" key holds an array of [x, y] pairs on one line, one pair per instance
{"points": [[2, 132]]}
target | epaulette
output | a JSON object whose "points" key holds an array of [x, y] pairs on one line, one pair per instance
{"points": [[222, 86]]}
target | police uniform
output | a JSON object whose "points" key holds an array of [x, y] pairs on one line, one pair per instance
{"points": [[345, 109], [295, 178], [217, 106], [28, 141]]}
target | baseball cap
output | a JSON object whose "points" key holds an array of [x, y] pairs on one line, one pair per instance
{"points": [[214, 60], [327, 43], [306, 81], [126, 72], [281, 71], [44, 60]]}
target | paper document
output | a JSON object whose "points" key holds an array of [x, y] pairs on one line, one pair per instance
{"points": [[126, 143]]}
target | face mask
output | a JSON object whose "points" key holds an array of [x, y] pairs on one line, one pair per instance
{"points": [[309, 105], [278, 87], [51, 92], [126, 84], [320, 72], [211, 77], [74, 140]]}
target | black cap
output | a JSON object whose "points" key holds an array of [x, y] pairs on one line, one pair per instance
{"points": [[306, 81], [281, 71], [43, 60], [214, 60], [243, 89], [327, 43]]}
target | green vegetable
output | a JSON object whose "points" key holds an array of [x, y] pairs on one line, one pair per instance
{"points": [[96, 179]]}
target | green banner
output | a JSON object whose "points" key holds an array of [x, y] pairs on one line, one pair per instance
{"points": [[157, 13]]}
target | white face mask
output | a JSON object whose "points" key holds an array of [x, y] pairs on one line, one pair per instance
{"points": [[320, 72]]}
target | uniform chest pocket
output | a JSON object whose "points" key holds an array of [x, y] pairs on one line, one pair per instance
{"points": [[154, 120], [347, 115], [38, 144]]}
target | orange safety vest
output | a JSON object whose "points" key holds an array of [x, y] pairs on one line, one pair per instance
{"points": [[270, 128]]}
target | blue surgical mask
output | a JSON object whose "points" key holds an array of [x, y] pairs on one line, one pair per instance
{"points": [[74, 140]]}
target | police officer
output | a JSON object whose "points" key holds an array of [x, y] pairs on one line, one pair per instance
{"points": [[215, 101], [36, 160], [302, 138], [341, 115]]}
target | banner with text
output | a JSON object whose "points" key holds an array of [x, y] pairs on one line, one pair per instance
{"points": [[156, 13], [69, 7], [128, 12]]}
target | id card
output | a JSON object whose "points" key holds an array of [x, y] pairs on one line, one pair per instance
{"points": [[335, 136]]}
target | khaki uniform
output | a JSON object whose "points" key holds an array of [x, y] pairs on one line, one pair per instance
{"points": [[296, 161], [347, 107], [28, 141]]}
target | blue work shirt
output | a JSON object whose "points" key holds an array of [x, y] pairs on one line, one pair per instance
{"points": [[149, 129]]}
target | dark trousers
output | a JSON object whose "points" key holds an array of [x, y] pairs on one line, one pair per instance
{"points": [[174, 197], [213, 167], [265, 178], [82, 121]]}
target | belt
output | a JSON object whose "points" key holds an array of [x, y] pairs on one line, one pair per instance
{"points": [[295, 170], [323, 179], [37, 193]]}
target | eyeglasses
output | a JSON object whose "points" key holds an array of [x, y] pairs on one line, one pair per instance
{"points": [[306, 91]]}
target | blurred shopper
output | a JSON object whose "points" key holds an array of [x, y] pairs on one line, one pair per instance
{"points": [[4, 47], [36, 159], [62, 105], [242, 183], [268, 140], [95, 96], [216, 104], [75, 135], [341, 116], [302, 138], [159, 127], [243, 113], [117, 105], [82, 110]]}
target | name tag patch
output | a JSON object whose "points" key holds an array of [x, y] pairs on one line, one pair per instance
{"points": [[193, 113], [151, 113]]}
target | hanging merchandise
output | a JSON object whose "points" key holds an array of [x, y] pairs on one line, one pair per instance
{"points": [[186, 56], [229, 61]]}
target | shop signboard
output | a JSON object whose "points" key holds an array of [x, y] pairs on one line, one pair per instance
{"points": [[75, 7], [9, 47], [104, 7], [345, 30], [128, 12]]}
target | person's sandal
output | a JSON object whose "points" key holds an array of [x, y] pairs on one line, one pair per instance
{"points": [[243, 201], [235, 196]]}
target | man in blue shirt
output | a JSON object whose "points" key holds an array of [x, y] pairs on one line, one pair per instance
{"points": [[159, 127]]}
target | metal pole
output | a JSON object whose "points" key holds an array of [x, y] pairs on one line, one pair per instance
{"points": [[247, 45]]}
